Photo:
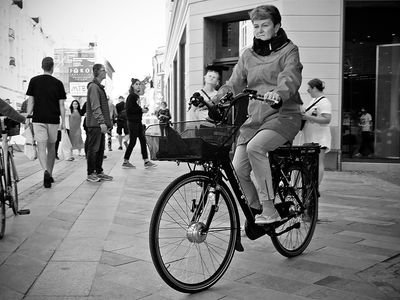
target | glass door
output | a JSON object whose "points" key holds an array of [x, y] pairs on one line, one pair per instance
{"points": [[387, 137]]}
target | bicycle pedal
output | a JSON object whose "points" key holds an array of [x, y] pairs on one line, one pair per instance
{"points": [[24, 211]]}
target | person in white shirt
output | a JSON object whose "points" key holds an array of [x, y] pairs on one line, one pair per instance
{"points": [[208, 92], [316, 128], [366, 148]]}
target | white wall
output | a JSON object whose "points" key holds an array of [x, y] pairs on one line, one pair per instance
{"points": [[28, 47]]}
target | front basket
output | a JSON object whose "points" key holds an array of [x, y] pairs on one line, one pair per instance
{"points": [[188, 141]]}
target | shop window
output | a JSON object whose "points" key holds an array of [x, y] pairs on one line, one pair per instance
{"points": [[363, 84]]}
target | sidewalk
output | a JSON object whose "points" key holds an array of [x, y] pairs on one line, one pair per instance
{"points": [[90, 240]]}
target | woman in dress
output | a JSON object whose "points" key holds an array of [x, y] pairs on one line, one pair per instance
{"points": [[75, 132], [316, 129]]}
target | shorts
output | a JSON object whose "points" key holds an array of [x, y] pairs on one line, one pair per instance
{"points": [[122, 125], [44, 132]]}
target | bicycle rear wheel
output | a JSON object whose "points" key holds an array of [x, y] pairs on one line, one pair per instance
{"points": [[295, 241], [12, 188], [188, 259]]}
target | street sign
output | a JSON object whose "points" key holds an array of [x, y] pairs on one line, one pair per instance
{"points": [[78, 88], [80, 74]]}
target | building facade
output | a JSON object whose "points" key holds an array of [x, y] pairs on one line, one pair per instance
{"points": [[353, 46], [23, 44]]}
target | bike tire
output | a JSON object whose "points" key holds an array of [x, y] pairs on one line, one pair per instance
{"points": [[2, 216], [185, 264], [295, 241], [12, 185]]}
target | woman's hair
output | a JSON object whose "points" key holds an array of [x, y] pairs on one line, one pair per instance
{"points": [[164, 103], [71, 108], [264, 12], [133, 81], [317, 83]]}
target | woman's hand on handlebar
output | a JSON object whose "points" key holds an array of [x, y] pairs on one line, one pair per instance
{"points": [[273, 97]]}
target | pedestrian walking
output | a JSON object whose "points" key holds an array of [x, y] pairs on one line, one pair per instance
{"points": [[163, 116], [113, 116], [367, 138], [75, 131], [46, 106], [122, 123], [98, 122], [134, 115], [318, 116]]}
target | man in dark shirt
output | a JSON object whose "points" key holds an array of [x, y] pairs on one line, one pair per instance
{"points": [[45, 106], [122, 124], [98, 122]]}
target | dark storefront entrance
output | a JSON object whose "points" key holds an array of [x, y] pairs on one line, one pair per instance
{"points": [[371, 81]]}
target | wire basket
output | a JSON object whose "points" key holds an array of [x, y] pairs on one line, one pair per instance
{"points": [[188, 141]]}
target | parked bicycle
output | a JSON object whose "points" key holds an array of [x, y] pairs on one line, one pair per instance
{"points": [[8, 173], [195, 225]]}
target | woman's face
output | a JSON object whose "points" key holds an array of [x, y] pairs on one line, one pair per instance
{"points": [[136, 87], [265, 29], [311, 91], [75, 105], [212, 78]]}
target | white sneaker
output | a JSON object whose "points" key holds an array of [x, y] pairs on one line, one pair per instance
{"points": [[262, 219]]}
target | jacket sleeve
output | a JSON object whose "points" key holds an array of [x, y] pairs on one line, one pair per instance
{"points": [[289, 79], [8, 111], [94, 96], [238, 80]]}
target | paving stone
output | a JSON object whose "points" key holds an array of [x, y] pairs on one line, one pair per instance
{"points": [[99, 233], [115, 259], [110, 289], [65, 279], [273, 283], [8, 294], [346, 285]]}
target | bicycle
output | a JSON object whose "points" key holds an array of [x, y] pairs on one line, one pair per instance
{"points": [[195, 226], [8, 173]]}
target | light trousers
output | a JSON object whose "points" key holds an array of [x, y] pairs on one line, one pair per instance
{"points": [[253, 156]]}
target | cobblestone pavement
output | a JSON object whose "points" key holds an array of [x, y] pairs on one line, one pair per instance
{"points": [[90, 241]]}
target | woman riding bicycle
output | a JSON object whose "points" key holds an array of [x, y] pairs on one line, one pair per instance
{"points": [[272, 67]]}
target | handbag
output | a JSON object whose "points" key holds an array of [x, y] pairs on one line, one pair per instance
{"points": [[303, 122], [65, 148], [30, 150]]}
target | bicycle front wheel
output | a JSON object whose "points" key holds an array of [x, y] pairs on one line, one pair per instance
{"points": [[293, 242], [188, 257], [12, 188]]}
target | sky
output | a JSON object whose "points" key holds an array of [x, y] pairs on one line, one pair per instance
{"points": [[127, 32]]}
